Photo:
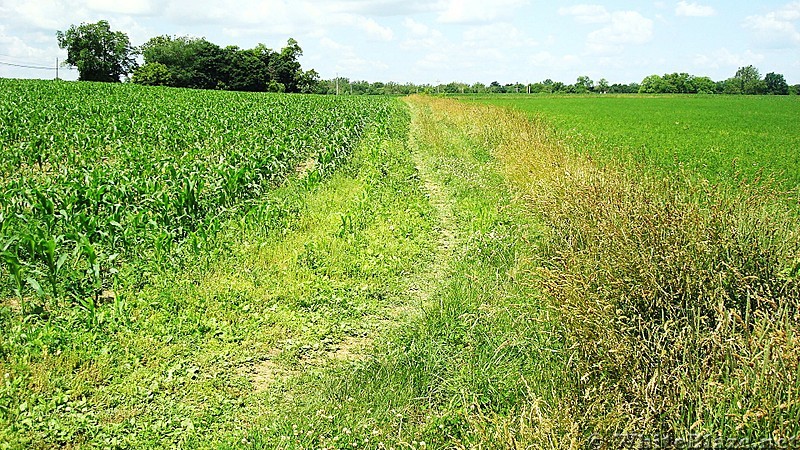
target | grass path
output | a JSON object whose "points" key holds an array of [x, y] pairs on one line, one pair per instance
{"points": [[441, 201], [462, 354]]}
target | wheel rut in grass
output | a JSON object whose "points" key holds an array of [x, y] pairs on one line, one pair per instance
{"points": [[427, 281], [426, 205]]}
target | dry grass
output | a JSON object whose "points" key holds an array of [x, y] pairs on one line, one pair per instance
{"points": [[679, 299]]}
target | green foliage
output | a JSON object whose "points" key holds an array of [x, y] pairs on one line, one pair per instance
{"points": [[176, 165], [748, 81], [583, 85], [99, 53], [152, 74], [200, 64], [677, 83], [776, 84]]}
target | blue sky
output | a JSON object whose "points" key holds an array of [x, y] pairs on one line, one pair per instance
{"points": [[443, 40]]}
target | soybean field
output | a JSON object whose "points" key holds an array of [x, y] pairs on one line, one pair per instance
{"points": [[721, 138]]}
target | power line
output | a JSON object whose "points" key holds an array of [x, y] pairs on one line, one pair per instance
{"points": [[31, 67], [25, 66]]}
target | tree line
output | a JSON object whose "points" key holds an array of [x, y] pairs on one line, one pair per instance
{"points": [[746, 81], [100, 54]]}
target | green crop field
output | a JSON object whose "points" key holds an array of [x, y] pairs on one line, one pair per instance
{"points": [[718, 137], [97, 177], [201, 269]]}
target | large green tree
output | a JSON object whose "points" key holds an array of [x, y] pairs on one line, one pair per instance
{"points": [[152, 74], [776, 84], [584, 84], [99, 53], [747, 81], [284, 67]]}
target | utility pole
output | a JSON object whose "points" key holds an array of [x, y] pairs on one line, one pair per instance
{"points": [[56, 68], [337, 83]]}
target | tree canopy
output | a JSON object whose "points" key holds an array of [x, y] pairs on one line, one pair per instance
{"points": [[776, 84], [99, 53], [200, 64]]}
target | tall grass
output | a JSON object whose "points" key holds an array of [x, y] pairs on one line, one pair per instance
{"points": [[678, 298]]}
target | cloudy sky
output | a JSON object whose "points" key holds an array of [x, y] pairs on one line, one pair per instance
{"points": [[442, 40]]}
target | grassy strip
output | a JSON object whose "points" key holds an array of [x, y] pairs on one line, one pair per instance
{"points": [[679, 299], [475, 367]]}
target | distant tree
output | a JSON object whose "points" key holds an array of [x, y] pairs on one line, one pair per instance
{"points": [[537, 88], [152, 74], [704, 85], [99, 53], [285, 67], [496, 87], [190, 61], [452, 88], [309, 82], [794, 90], [559, 87], [748, 81], [274, 86], [679, 83], [584, 84], [602, 85], [241, 70], [776, 84], [478, 88], [360, 87], [652, 84], [617, 88], [732, 86]]}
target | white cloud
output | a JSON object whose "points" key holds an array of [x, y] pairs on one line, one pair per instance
{"points": [[416, 28], [476, 11], [348, 59], [724, 58], [498, 35], [422, 36], [586, 13], [132, 7], [619, 27], [694, 10], [373, 29], [383, 8], [625, 27], [44, 14], [777, 28]]}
